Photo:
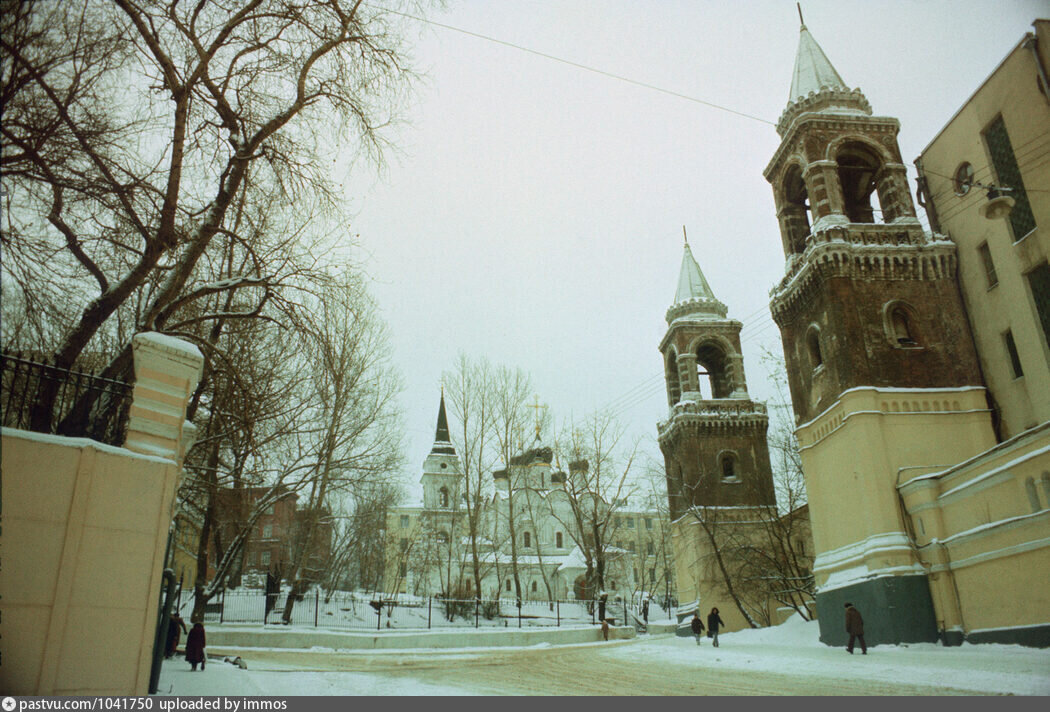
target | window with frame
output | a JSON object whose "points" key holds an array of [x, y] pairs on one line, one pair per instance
{"points": [[558, 540], [630, 522], [1011, 350], [816, 357], [1039, 284], [989, 266], [526, 540], [648, 523], [1008, 174], [404, 521], [534, 587], [267, 531], [729, 468], [649, 549], [508, 584], [264, 558]]}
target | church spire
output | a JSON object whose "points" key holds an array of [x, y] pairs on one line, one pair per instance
{"points": [[694, 296], [442, 441], [813, 70], [816, 87]]}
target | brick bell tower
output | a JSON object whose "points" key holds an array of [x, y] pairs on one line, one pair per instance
{"points": [[881, 364], [714, 440]]}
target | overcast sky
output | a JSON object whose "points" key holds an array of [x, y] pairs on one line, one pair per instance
{"points": [[533, 214]]}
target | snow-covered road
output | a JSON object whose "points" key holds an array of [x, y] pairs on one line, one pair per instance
{"points": [[787, 660]]}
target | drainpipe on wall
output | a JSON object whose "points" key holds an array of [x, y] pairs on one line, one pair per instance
{"points": [[161, 638], [1032, 44]]}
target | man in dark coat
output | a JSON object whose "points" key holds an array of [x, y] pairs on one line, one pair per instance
{"points": [[174, 624], [195, 646], [855, 628], [645, 610], [697, 627], [714, 621]]}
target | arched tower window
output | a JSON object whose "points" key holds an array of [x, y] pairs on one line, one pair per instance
{"points": [[858, 170], [816, 356], [674, 386], [713, 371], [794, 211], [558, 540], [901, 325], [526, 540], [729, 467], [443, 497]]}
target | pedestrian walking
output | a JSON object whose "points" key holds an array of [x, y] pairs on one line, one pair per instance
{"points": [[605, 629], [714, 622], [698, 626], [195, 646], [645, 610], [175, 623], [855, 628], [603, 599]]}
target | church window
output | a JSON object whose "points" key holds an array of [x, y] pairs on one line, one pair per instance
{"points": [[526, 540], [713, 377], [674, 386], [816, 358], [508, 584], [534, 587], [1008, 175], [404, 521], [858, 172], [444, 465], [794, 211], [267, 531], [1011, 350], [729, 468], [630, 522], [558, 540], [649, 548], [901, 324], [989, 266], [1039, 283], [443, 497], [648, 523], [1033, 494]]}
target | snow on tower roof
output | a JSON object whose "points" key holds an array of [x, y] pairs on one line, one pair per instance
{"points": [[694, 297], [813, 69], [442, 441]]}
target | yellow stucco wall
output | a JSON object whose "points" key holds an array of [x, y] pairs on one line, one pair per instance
{"points": [[85, 530]]}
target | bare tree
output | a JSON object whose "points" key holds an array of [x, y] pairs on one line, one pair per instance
{"points": [[136, 133]]}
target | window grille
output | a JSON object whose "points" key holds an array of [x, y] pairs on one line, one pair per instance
{"points": [[1008, 174]]}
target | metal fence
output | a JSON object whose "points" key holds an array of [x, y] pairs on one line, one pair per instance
{"points": [[356, 611], [81, 404]]}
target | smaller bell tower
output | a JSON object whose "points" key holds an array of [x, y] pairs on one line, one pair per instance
{"points": [[442, 473], [714, 441]]}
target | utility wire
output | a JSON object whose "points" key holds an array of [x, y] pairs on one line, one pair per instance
{"points": [[584, 67]]}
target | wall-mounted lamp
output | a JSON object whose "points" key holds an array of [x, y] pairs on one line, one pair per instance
{"points": [[998, 205]]}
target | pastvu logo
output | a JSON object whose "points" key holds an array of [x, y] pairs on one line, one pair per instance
{"points": [[8, 704]]}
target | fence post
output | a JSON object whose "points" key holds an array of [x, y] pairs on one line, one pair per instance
{"points": [[317, 601], [379, 618], [519, 612], [625, 610], [430, 609], [477, 612], [222, 607], [593, 605], [558, 605]]}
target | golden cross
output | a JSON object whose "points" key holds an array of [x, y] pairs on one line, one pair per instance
{"points": [[537, 406]]}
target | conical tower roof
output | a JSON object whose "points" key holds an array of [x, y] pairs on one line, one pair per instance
{"points": [[816, 86], [694, 298], [442, 441], [813, 69]]}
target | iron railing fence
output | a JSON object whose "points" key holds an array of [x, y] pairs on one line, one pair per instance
{"points": [[349, 611], [84, 404]]}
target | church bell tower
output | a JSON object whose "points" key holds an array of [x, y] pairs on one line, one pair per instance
{"points": [[714, 440], [881, 365]]}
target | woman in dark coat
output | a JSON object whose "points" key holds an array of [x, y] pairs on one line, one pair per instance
{"points": [[855, 628], [174, 624], [195, 646], [714, 621], [697, 627]]}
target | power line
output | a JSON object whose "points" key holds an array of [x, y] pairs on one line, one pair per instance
{"points": [[584, 67]]}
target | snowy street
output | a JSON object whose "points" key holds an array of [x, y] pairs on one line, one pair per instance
{"points": [[787, 660]]}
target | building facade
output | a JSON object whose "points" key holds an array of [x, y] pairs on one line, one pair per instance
{"points": [[528, 524], [904, 366]]}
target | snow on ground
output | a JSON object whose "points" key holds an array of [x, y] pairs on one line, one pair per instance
{"points": [[790, 649], [224, 679], [795, 648]]}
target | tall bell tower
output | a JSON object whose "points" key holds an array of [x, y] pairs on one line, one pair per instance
{"points": [[714, 440], [881, 365]]}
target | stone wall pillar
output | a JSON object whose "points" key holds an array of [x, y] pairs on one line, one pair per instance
{"points": [[822, 185], [167, 371], [687, 375], [893, 192]]}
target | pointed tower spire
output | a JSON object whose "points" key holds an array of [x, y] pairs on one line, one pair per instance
{"points": [[442, 441], [693, 296], [816, 85]]}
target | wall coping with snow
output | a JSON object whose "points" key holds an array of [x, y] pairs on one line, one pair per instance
{"points": [[280, 637]]}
